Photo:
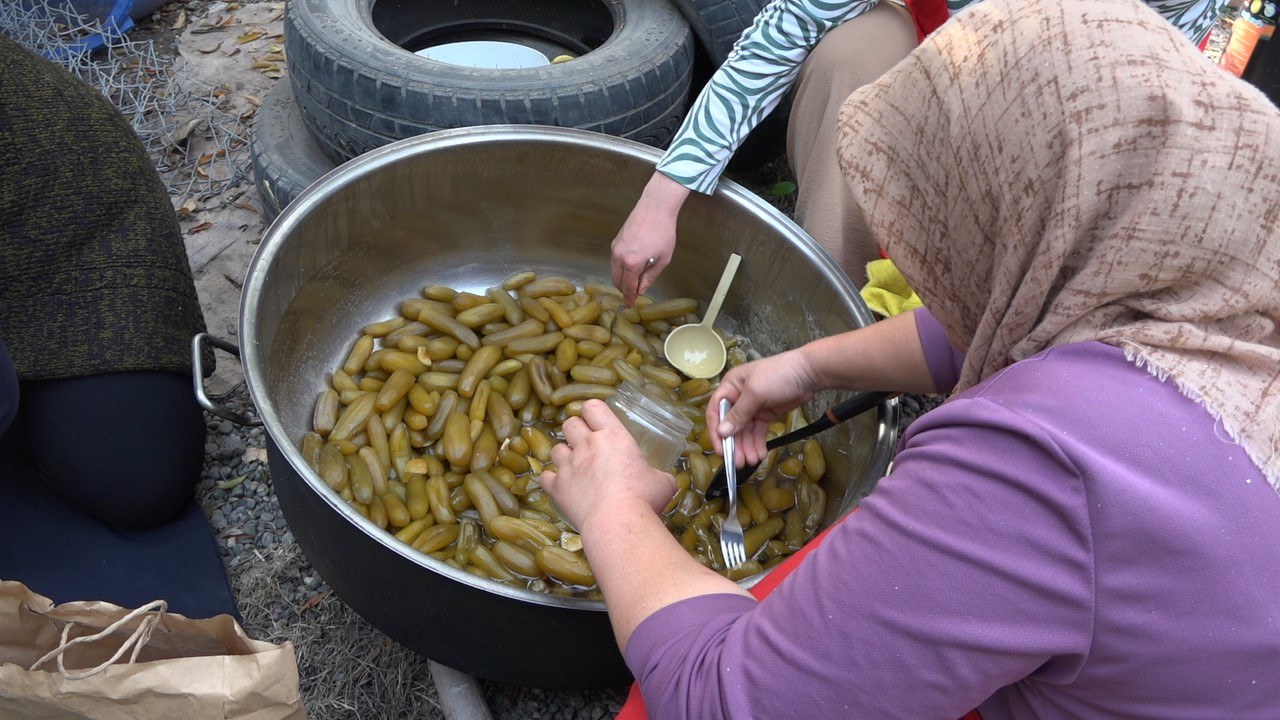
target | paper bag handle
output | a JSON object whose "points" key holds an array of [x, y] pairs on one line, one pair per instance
{"points": [[151, 614]]}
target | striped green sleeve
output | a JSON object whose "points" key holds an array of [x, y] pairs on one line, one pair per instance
{"points": [[752, 81], [1193, 18], [767, 58]]}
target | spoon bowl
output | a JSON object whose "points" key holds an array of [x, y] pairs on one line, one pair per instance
{"points": [[696, 349]]}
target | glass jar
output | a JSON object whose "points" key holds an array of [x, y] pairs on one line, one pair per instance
{"points": [[658, 428]]}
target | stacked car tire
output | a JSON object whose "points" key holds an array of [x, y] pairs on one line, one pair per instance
{"points": [[355, 82]]}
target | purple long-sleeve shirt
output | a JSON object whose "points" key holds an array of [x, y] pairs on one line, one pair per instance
{"points": [[1071, 538]]}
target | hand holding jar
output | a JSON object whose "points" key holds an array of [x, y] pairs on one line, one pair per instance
{"points": [[600, 464]]}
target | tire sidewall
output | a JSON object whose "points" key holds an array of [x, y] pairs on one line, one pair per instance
{"points": [[286, 159], [642, 36]]}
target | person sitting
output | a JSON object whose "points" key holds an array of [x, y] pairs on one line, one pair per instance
{"points": [[1089, 526], [99, 463]]}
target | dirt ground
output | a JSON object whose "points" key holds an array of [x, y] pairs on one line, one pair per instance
{"points": [[237, 48]]}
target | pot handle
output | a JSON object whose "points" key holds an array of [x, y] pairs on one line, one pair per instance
{"points": [[197, 372]]}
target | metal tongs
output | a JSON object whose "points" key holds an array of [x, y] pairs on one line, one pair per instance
{"points": [[834, 415]]}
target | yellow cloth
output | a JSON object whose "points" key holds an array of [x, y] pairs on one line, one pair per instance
{"points": [[887, 292]]}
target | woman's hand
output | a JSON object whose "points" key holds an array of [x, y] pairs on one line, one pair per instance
{"points": [[760, 392], [614, 498], [649, 233], [887, 355], [599, 465]]}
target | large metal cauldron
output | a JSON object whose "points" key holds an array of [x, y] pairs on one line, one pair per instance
{"points": [[466, 208]]}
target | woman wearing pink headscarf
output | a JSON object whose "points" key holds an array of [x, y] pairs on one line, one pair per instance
{"points": [[1090, 525]]}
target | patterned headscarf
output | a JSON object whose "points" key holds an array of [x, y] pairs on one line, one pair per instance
{"points": [[1052, 173]]}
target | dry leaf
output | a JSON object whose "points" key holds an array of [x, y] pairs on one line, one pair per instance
{"points": [[249, 36], [189, 206], [254, 454], [273, 74], [180, 22], [233, 52], [263, 65], [248, 113], [203, 28], [313, 601], [243, 205], [272, 57], [253, 100], [273, 47], [202, 172], [233, 6], [204, 159], [200, 228], [209, 49], [227, 20], [183, 133]]}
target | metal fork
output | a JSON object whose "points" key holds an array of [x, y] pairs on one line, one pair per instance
{"points": [[732, 543]]}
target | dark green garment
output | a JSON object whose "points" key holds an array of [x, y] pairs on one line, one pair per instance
{"points": [[94, 276]]}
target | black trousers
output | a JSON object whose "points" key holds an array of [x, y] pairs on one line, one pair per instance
{"points": [[97, 476]]}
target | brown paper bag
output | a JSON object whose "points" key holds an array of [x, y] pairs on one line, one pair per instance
{"points": [[98, 660]]}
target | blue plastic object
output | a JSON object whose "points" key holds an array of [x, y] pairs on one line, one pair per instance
{"points": [[113, 16]]}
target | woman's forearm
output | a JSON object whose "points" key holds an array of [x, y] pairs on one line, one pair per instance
{"points": [[887, 355], [663, 195], [641, 567]]}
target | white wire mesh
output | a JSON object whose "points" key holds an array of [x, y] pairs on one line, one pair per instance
{"points": [[199, 147]]}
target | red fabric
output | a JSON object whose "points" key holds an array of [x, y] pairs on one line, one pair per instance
{"points": [[928, 14], [634, 709]]}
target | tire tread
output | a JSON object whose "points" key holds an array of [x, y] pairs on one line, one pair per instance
{"points": [[352, 107]]}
